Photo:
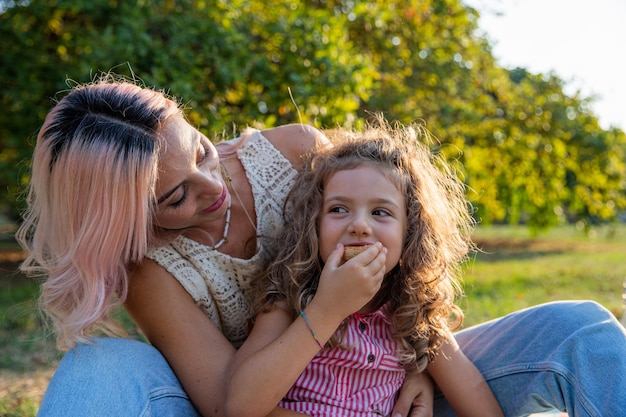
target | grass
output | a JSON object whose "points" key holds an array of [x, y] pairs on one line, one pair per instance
{"points": [[27, 352], [513, 270], [28, 355]]}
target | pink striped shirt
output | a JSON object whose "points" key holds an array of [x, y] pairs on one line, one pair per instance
{"points": [[360, 378]]}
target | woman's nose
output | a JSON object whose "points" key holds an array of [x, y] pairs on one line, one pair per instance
{"points": [[210, 183]]}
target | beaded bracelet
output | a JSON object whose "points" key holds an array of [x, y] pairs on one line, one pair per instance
{"points": [[306, 321]]}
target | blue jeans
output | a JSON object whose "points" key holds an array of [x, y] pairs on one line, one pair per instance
{"points": [[569, 356], [115, 378], [564, 355]]}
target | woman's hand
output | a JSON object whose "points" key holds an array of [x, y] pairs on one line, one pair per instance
{"points": [[416, 396]]}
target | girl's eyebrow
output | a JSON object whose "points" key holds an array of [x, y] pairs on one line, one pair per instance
{"points": [[380, 200]]}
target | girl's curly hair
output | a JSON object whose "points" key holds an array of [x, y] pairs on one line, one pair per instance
{"points": [[420, 289]]}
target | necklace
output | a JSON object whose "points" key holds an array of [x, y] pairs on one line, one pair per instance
{"points": [[232, 187], [224, 238]]}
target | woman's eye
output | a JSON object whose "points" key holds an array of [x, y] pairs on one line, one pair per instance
{"points": [[206, 152], [180, 201]]}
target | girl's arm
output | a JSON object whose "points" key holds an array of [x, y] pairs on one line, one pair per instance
{"points": [[258, 385], [462, 383], [279, 348]]}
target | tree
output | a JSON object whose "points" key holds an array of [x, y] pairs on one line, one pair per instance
{"points": [[528, 152], [520, 141], [229, 65]]}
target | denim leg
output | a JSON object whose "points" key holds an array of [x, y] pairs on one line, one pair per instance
{"points": [[115, 377], [569, 356]]}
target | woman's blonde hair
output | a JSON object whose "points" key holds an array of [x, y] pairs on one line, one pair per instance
{"points": [[420, 290], [91, 201]]}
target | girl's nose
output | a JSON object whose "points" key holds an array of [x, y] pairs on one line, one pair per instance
{"points": [[360, 225]]}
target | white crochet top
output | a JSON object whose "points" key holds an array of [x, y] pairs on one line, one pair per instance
{"points": [[218, 282]]}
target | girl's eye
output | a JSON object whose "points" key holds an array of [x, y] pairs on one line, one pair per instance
{"points": [[381, 212], [337, 209]]}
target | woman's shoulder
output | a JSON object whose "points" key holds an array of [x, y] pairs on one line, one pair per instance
{"points": [[294, 140], [291, 140]]}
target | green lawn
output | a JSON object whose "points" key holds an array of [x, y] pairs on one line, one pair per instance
{"points": [[27, 352], [513, 270]]}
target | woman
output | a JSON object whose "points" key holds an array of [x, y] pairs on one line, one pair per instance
{"points": [[129, 203]]}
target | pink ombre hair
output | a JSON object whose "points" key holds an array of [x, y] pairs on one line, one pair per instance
{"points": [[91, 201]]}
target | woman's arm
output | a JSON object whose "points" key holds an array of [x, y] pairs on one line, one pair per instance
{"points": [[462, 383], [194, 347]]}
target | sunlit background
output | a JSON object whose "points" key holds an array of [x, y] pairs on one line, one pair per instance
{"points": [[532, 156], [582, 41]]}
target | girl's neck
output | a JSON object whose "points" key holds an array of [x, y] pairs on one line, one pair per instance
{"points": [[369, 309], [372, 306]]}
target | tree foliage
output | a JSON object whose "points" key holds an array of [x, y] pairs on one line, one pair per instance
{"points": [[527, 151]]}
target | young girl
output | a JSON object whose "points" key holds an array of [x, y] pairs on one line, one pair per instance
{"points": [[384, 190]]}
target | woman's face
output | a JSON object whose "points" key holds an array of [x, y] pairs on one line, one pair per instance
{"points": [[190, 189], [362, 206]]}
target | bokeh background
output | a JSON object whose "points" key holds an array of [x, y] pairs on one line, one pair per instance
{"points": [[502, 84]]}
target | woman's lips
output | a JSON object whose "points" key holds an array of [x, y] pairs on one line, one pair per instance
{"points": [[215, 206]]}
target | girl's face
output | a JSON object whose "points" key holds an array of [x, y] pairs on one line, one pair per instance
{"points": [[190, 189], [362, 206]]}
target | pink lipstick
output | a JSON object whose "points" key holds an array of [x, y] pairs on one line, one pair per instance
{"points": [[215, 206]]}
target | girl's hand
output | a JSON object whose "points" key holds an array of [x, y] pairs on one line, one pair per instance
{"points": [[345, 289], [416, 396]]}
